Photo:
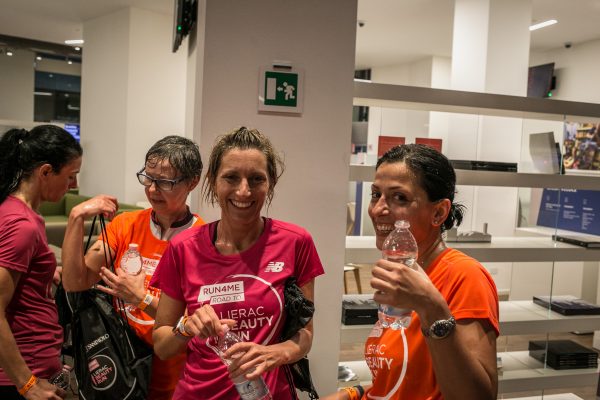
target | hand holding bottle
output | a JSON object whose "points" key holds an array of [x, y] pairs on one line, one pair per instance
{"points": [[227, 346], [127, 287]]}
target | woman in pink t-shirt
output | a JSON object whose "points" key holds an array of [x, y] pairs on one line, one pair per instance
{"points": [[37, 165], [233, 272]]}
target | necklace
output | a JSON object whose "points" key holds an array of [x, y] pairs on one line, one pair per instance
{"points": [[431, 253]]}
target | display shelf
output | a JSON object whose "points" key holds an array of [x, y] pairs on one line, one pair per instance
{"points": [[519, 373], [456, 101], [361, 249], [522, 373], [365, 173], [516, 318], [561, 396]]}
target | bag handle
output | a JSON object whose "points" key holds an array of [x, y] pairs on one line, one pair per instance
{"points": [[110, 263]]}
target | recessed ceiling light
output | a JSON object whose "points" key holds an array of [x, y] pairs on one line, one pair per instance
{"points": [[9, 53], [74, 41], [77, 48], [69, 62], [543, 24], [39, 58]]}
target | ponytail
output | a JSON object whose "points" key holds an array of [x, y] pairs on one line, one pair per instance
{"points": [[23, 151]]}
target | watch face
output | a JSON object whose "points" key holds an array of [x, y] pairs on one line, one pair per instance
{"points": [[442, 328]]}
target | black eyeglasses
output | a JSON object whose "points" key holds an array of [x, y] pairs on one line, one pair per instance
{"points": [[163, 184]]}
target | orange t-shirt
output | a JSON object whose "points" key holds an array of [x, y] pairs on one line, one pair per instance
{"points": [[135, 227], [399, 360]]}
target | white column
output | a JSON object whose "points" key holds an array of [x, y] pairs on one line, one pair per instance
{"points": [[133, 93], [233, 40], [490, 53]]}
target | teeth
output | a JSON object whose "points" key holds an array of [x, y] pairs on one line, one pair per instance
{"points": [[385, 228], [240, 204]]}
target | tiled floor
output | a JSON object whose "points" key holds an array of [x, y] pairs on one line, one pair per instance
{"points": [[504, 343]]}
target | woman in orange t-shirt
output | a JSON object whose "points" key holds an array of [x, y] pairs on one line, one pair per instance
{"points": [[449, 348], [171, 171]]}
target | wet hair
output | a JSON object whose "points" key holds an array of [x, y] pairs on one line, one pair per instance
{"points": [[182, 153], [434, 173], [243, 139], [23, 151]]}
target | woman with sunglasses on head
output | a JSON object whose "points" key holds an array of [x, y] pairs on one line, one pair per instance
{"points": [[36, 166], [448, 351], [231, 273], [171, 171]]}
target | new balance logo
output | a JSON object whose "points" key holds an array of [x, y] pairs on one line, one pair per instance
{"points": [[275, 266]]}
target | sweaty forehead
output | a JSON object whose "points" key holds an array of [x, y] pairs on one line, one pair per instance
{"points": [[399, 173], [161, 166]]}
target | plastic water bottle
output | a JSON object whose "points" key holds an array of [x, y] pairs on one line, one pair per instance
{"points": [[400, 246], [131, 262], [62, 379], [248, 390]]}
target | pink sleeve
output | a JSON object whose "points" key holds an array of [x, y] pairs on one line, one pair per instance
{"points": [[16, 247], [167, 276], [308, 263]]}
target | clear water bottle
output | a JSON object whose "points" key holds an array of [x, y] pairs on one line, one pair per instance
{"points": [[248, 390], [131, 262], [62, 379], [400, 246]]}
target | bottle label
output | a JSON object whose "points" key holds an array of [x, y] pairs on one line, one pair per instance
{"points": [[252, 390]]}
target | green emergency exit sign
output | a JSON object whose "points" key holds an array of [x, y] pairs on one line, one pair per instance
{"points": [[280, 90]]}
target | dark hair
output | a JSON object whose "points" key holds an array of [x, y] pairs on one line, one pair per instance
{"points": [[182, 153], [23, 151], [434, 172], [243, 139]]}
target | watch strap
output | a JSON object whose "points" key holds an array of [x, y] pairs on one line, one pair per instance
{"points": [[179, 328]]}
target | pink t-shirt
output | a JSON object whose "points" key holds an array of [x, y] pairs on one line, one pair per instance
{"points": [[31, 314], [247, 287]]}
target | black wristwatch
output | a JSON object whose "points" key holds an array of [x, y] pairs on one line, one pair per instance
{"points": [[440, 328]]}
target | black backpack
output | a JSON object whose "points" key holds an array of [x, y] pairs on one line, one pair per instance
{"points": [[110, 360]]}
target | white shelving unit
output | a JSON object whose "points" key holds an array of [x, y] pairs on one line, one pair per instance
{"points": [[516, 317], [519, 372]]}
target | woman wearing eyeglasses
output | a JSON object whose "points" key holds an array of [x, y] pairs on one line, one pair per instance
{"points": [[171, 171]]}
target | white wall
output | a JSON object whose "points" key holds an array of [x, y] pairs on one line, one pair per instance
{"points": [[16, 86], [576, 70], [133, 93], [238, 38]]}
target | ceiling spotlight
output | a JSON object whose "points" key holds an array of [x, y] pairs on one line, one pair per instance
{"points": [[69, 62], [9, 53], [39, 58], [74, 42], [77, 48]]}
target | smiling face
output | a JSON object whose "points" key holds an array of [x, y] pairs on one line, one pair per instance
{"points": [[397, 194], [167, 203], [242, 185], [58, 183]]}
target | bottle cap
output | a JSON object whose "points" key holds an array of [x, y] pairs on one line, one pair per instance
{"points": [[402, 223], [133, 246]]}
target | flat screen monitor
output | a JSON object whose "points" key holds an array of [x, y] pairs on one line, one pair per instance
{"points": [[539, 80], [184, 17]]}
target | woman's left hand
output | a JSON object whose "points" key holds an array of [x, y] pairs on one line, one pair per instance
{"points": [[129, 288], [255, 361], [399, 285]]}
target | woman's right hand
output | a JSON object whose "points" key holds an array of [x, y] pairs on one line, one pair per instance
{"points": [[101, 204], [205, 323], [44, 390]]}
